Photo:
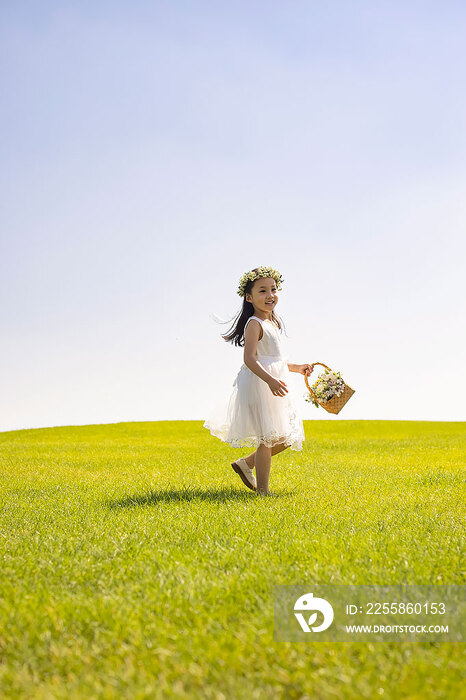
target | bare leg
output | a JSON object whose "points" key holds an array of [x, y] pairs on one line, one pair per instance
{"points": [[251, 459], [263, 462]]}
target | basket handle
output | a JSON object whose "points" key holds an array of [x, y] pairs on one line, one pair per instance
{"points": [[305, 377]]}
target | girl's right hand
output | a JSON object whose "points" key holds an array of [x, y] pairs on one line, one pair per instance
{"points": [[277, 387]]}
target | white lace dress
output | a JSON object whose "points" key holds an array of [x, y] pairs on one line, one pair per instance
{"points": [[252, 415]]}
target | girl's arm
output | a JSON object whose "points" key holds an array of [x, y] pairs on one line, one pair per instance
{"points": [[302, 369], [251, 338]]}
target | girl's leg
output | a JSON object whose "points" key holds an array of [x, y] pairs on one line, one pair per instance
{"points": [[263, 462], [251, 459]]}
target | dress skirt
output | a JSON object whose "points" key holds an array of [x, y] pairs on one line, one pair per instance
{"points": [[252, 415]]}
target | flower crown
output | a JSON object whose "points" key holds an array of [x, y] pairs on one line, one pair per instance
{"points": [[257, 274]]}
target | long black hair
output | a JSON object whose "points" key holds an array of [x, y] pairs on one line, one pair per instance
{"points": [[235, 334]]}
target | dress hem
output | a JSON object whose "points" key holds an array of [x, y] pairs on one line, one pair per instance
{"points": [[254, 441]]}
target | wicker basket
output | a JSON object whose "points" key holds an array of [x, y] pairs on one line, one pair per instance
{"points": [[335, 404]]}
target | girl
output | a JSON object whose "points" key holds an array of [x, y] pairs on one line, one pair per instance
{"points": [[259, 411]]}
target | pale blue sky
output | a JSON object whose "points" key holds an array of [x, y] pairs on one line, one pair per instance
{"points": [[153, 152]]}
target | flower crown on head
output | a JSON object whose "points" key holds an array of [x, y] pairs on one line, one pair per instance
{"points": [[257, 274]]}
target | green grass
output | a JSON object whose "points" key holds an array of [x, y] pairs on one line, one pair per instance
{"points": [[135, 563]]}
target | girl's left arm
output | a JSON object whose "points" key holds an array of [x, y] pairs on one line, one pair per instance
{"points": [[301, 369]]}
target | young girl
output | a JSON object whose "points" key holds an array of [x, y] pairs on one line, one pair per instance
{"points": [[259, 412]]}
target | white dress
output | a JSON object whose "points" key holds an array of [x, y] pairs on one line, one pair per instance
{"points": [[252, 415]]}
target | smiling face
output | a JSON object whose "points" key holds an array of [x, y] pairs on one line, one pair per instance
{"points": [[264, 290]]}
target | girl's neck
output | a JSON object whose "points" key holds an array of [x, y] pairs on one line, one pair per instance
{"points": [[263, 316]]}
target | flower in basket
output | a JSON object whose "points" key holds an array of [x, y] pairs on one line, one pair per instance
{"points": [[327, 385]]}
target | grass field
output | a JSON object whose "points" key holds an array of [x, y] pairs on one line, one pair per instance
{"points": [[135, 564]]}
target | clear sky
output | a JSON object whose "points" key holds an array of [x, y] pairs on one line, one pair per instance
{"points": [[152, 152]]}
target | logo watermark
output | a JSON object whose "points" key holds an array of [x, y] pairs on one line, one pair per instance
{"points": [[340, 613]]}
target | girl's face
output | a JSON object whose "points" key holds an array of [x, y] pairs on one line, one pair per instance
{"points": [[264, 295]]}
